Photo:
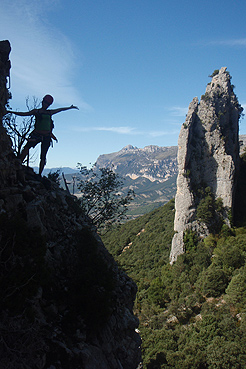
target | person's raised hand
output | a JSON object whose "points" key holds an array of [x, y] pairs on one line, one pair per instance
{"points": [[74, 107]]}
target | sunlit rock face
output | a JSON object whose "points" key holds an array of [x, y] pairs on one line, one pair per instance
{"points": [[208, 156]]}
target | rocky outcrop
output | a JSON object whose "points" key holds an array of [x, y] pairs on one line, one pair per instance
{"points": [[208, 160], [7, 171], [64, 302]]}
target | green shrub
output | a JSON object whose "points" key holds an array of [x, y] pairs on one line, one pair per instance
{"points": [[157, 293], [209, 210], [213, 281], [205, 210], [215, 72], [225, 354], [236, 290], [190, 240]]}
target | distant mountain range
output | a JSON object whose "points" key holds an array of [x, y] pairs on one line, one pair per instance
{"points": [[152, 162], [151, 172], [65, 170]]}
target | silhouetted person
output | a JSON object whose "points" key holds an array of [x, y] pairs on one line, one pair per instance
{"points": [[42, 130]]}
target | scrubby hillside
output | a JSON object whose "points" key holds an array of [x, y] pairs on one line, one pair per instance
{"points": [[192, 314]]}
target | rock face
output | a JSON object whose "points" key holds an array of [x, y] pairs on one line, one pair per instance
{"points": [[64, 302], [208, 157], [150, 172], [7, 171], [152, 162]]}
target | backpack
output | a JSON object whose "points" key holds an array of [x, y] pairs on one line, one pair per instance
{"points": [[43, 122]]}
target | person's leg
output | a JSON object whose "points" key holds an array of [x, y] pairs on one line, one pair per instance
{"points": [[44, 149], [32, 142], [41, 166]]}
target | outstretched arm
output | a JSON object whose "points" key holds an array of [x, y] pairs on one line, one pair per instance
{"points": [[55, 111], [22, 113]]}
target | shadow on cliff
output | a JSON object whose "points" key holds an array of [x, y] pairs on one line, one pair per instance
{"points": [[202, 167], [240, 196]]}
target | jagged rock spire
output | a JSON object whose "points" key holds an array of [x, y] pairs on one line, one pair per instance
{"points": [[208, 156]]}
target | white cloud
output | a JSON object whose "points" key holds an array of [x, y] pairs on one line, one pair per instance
{"points": [[42, 58], [120, 130], [125, 130], [178, 111], [228, 42], [163, 133]]}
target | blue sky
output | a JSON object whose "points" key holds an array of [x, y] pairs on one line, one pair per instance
{"points": [[132, 66]]}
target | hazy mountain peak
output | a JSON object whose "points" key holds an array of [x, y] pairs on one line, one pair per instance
{"points": [[128, 148]]}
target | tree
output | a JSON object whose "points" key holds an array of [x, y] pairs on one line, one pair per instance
{"points": [[236, 291], [213, 281], [102, 197], [20, 131]]}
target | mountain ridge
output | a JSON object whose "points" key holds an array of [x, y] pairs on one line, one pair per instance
{"points": [[151, 162]]}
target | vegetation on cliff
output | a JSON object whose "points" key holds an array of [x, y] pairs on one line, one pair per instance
{"points": [[192, 314]]}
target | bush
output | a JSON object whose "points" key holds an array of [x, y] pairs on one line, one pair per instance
{"points": [[236, 290], [225, 354], [213, 281], [190, 240], [157, 293], [215, 72]]}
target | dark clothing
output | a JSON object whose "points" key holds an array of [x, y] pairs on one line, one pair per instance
{"points": [[42, 133], [43, 121]]}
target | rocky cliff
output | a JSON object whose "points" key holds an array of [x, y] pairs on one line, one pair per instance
{"points": [[208, 162], [64, 302], [152, 162], [151, 172]]}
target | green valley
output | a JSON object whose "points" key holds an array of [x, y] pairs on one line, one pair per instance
{"points": [[192, 314]]}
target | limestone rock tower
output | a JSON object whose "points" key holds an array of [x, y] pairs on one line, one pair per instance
{"points": [[208, 158]]}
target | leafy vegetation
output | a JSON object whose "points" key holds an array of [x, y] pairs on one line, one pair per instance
{"points": [[215, 72], [101, 198], [192, 314], [210, 210]]}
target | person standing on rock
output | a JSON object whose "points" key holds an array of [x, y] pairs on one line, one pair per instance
{"points": [[42, 130]]}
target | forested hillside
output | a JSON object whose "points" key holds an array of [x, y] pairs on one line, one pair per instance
{"points": [[193, 313]]}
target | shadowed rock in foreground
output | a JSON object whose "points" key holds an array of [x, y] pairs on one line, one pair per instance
{"points": [[64, 302]]}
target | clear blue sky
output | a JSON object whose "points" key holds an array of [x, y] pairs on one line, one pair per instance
{"points": [[132, 66]]}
